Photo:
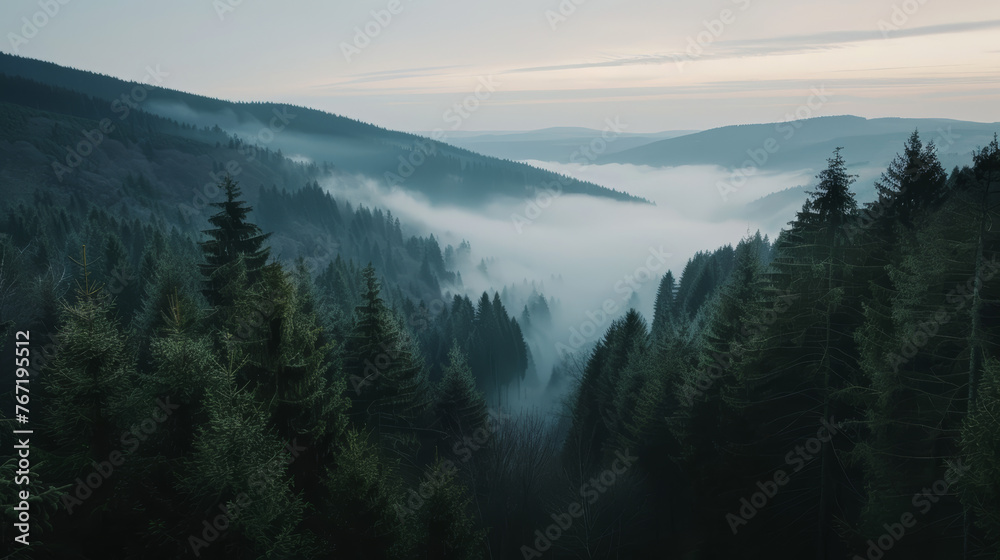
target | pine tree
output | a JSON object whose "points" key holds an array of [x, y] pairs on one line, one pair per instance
{"points": [[91, 375], [707, 416], [924, 349], [447, 529], [120, 278], [459, 406], [276, 332], [184, 370], [914, 181], [386, 378], [238, 464], [790, 377], [663, 309], [233, 239], [368, 508], [595, 419]]}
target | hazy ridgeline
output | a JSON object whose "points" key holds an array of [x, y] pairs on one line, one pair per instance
{"points": [[271, 348]]}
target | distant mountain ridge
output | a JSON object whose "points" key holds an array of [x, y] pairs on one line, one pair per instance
{"points": [[440, 172], [556, 144], [807, 143]]}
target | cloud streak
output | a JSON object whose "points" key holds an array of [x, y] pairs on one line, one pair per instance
{"points": [[790, 44]]}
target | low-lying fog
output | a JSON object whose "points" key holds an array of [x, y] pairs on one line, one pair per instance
{"points": [[589, 252]]}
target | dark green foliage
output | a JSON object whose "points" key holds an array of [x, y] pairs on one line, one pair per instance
{"points": [[90, 378], [367, 505], [663, 313], [459, 406], [233, 240], [595, 419], [913, 182], [237, 463], [386, 378], [980, 444], [446, 529]]}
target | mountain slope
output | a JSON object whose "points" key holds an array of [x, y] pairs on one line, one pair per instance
{"points": [[438, 171]]}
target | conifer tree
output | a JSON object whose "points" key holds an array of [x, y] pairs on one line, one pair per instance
{"points": [[120, 278], [91, 375], [369, 510], [914, 181], [804, 357], [447, 530], [663, 309], [459, 406], [924, 349], [233, 239], [595, 419], [707, 422], [238, 465], [386, 379]]}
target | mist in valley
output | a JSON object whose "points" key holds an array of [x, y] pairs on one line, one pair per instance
{"points": [[583, 254], [590, 258]]}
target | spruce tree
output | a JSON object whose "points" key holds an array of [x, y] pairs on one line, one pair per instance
{"points": [[914, 181], [804, 357], [234, 238], [707, 422], [91, 375], [663, 309], [238, 465], [459, 406], [385, 377]]}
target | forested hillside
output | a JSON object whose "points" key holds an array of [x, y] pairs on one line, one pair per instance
{"points": [[832, 394], [835, 398], [227, 360], [442, 173]]}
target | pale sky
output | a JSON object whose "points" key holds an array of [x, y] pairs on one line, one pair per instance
{"points": [[635, 60]]}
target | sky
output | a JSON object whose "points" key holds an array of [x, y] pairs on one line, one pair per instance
{"points": [[659, 64]]}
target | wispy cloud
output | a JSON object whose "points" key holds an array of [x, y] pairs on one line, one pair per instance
{"points": [[385, 75], [789, 44]]}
